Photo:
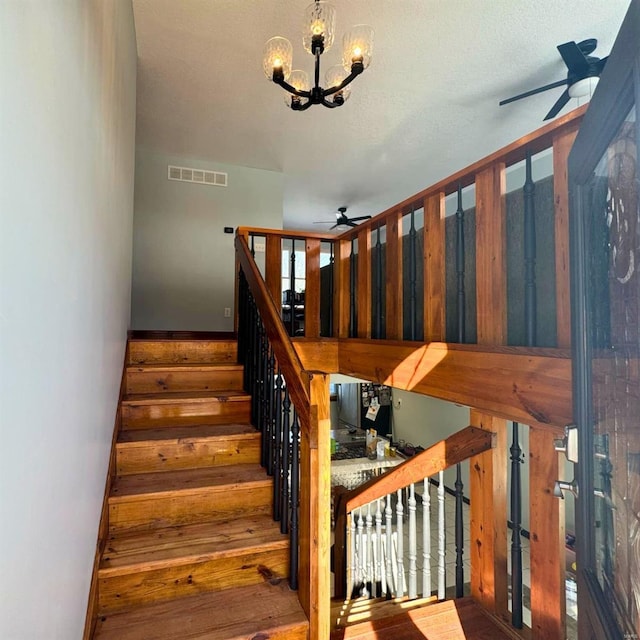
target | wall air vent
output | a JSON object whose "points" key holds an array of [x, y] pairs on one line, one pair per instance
{"points": [[198, 176]]}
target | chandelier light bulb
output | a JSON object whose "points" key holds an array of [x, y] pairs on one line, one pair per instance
{"points": [[357, 46], [277, 57], [318, 28]]}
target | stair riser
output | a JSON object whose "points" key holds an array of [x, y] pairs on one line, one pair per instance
{"points": [[182, 351], [152, 456], [169, 382], [188, 507], [151, 416], [122, 592]]}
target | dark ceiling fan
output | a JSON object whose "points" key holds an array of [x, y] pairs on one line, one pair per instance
{"points": [[343, 219], [583, 72]]}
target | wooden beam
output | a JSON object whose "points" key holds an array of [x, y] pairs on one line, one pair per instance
{"points": [[546, 515], [562, 144], [342, 289], [312, 289], [364, 283], [434, 268], [488, 478], [315, 519], [517, 383], [317, 354], [442, 455], [273, 269], [491, 256], [393, 267]]}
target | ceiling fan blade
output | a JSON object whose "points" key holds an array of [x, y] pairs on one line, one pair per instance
{"points": [[601, 64], [573, 57], [533, 92], [360, 218], [350, 223], [562, 100], [323, 222], [334, 226]]}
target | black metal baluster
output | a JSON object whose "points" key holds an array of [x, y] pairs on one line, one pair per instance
{"points": [[516, 527], [293, 532], [353, 318], [459, 533], [270, 409], [530, 302], [253, 247], [292, 290], [286, 460], [255, 359], [331, 276], [262, 388], [412, 277], [278, 445], [378, 311], [461, 310]]}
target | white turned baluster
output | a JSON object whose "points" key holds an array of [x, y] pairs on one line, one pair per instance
{"points": [[351, 570], [361, 549], [378, 572], [426, 540], [369, 551], [441, 539], [388, 512], [400, 543], [413, 544]]}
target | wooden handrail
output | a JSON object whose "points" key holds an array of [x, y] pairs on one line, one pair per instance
{"points": [[281, 343], [463, 444], [285, 233], [536, 141]]}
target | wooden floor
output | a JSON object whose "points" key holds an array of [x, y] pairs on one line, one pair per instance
{"points": [[459, 619]]}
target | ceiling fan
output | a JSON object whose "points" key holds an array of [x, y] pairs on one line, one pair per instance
{"points": [[583, 72], [343, 219]]}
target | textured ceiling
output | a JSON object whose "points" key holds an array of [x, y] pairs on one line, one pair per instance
{"points": [[426, 107]]}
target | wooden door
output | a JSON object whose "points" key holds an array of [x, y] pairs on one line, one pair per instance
{"points": [[605, 254]]}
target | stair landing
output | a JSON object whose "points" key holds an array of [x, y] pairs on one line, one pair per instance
{"points": [[460, 619]]}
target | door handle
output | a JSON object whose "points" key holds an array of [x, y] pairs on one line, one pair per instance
{"points": [[569, 443]]}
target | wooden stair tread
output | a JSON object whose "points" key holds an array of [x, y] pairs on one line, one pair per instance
{"points": [[460, 619], [138, 399], [257, 611], [144, 485], [139, 437], [181, 366], [164, 547]]}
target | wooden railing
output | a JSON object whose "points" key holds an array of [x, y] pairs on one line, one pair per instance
{"points": [[447, 453], [420, 302], [266, 351], [417, 284]]}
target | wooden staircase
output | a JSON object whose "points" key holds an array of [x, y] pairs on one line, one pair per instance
{"points": [[192, 550]]}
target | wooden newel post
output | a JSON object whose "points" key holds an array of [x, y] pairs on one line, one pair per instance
{"points": [[315, 518]]}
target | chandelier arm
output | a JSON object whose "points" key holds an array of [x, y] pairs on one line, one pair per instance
{"points": [[305, 106], [291, 89], [331, 105], [317, 70], [348, 80]]}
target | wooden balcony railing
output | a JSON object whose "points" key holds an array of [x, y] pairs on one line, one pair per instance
{"points": [[471, 308]]}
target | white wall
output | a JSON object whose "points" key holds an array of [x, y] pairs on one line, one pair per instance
{"points": [[183, 262], [67, 136]]}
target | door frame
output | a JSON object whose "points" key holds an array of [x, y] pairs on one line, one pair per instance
{"points": [[618, 90]]}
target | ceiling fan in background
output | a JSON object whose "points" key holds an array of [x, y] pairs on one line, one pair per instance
{"points": [[343, 219], [583, 72]]}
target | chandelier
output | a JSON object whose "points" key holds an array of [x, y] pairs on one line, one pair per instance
{"points": [[318, 33]]}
